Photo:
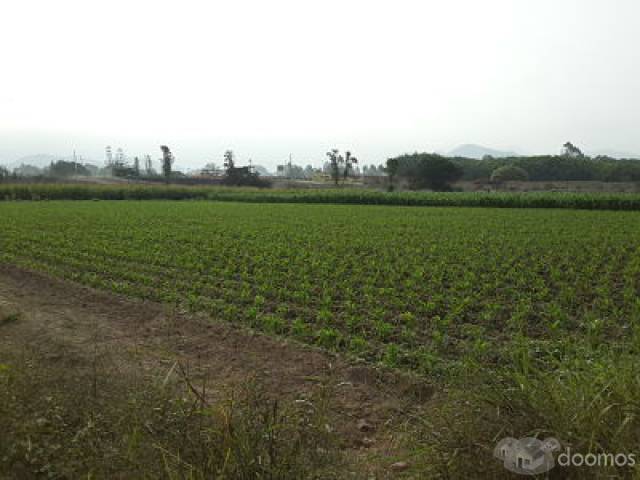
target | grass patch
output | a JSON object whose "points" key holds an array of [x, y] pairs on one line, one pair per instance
{"points": [[68, 420], [588, 398]]}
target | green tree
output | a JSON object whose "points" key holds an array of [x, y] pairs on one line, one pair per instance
{"points": [[349, 161], [62, 168], [434, 172], [393, 165], [509, 173], [167, 162], [340, 165], [335, 161], [540, 168], [570, 150]]}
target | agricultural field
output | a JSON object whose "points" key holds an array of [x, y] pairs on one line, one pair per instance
{"points": [[418, 289], [535, 312]]}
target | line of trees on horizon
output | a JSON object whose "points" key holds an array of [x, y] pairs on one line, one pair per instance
{"points": [[438, 172], [419, 170]]}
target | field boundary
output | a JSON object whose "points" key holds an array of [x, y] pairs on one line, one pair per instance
{"points": [[226, 354], [345, 196]]}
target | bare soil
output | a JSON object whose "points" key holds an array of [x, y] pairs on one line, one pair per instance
{"points": [[368, 405]]}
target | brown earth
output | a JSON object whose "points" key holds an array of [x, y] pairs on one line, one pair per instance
{"points": [[367, 404]]}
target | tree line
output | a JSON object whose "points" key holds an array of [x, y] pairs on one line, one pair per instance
{"points": [[436, 172], [418, 170]]}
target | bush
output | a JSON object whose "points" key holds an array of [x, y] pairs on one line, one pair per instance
{"points": [[433, 172], [509, 173]]}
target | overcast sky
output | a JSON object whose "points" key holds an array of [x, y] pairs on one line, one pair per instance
{"points": [[269, 78]]}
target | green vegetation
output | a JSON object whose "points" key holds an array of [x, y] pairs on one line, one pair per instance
{"points": [[63, 168], [571, 165], [586, 201], [586, 396], [549, 168], [509, 173], [340, 165], [393, 165], [167, 162], [430, 171], [438, 284], [69, 419], [530, 318]]}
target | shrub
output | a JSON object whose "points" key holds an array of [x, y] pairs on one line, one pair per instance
{"points": [[433, 172], [509, 173]]}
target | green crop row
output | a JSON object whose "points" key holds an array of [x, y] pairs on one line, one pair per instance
{"points": [[418, 289], [584, 201]]}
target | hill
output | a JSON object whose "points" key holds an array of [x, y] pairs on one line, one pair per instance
{"points": [[470, 150]]}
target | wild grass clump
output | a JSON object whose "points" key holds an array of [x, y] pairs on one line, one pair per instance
{"points": [[588, 398], [59, 421]]}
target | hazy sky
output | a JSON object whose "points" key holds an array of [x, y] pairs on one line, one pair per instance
{"points": [[269, 78]]}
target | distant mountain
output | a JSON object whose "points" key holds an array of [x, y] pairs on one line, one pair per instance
{"points": [[478, 151], [614, 154]]}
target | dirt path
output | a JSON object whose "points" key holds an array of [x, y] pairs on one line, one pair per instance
{"points": [[366, 403]]}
